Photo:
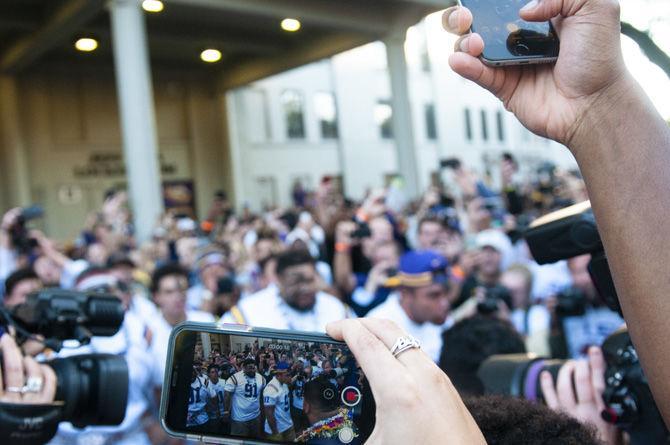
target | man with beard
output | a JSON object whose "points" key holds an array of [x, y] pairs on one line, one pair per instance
{"points": [[421, 305], [241, 399], [294, 304]]}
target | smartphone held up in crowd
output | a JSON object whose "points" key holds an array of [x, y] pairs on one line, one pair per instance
{"points": [[237, 384], [508, 39]]}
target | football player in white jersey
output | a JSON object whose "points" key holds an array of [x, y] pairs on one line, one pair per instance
{"points": [[276, 399], [215, 386], [198, 398], [243, 392]]}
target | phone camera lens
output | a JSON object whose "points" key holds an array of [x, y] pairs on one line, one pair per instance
{"points": [[521, 49]]}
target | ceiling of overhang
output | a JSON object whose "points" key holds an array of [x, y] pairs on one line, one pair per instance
{"points": [[39, 33]]}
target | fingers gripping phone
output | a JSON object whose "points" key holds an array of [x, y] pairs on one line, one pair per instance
{"points": [[509, 40], [235, 384]]}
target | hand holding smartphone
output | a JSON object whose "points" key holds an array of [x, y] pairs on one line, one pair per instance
{"points": [[237, 384], [509, 40]]}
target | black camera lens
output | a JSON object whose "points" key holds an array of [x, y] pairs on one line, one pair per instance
{"points": [[516, 375], [521, 49], [94, 388]]}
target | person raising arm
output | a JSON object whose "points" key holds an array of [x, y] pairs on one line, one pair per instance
{"points": [[589, 102]]}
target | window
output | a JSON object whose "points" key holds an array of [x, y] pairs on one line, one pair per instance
{"points": [[326, 112], [485, 126], [468, 125], [431, 124], [292, 104], [383, 115], [501, 126]]}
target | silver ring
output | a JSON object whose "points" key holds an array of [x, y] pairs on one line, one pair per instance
{"points": [[15, 389], [402, 344], [34, 385]]}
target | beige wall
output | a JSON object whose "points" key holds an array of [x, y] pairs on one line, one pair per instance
{"points": [[66, 118]]}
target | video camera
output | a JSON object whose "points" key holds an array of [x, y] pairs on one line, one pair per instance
{"points": [[92, 389], [630, 405], [18, 232]]}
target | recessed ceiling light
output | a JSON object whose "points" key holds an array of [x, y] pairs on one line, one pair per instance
{"points": [[210, 55], [290, 25], [152, 5], [86, 44]]}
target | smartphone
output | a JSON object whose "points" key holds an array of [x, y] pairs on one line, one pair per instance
{"points": [[509, 40], [218, 390]]}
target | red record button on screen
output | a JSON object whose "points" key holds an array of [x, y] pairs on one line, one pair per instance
{"points": [[351, 396]]}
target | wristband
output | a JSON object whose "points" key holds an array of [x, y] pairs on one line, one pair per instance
{"points": [[342, 247]]}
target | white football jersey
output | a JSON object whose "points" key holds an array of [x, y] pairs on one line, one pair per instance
{"points": [[197, 402], [277, 394], [217, 390], [246, 393]]}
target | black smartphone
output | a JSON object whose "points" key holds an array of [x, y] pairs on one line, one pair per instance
{"points": [[450, 163], [234, 397], [509, 40]]}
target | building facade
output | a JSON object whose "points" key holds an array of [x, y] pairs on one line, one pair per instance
{"points": [[334, 118]]}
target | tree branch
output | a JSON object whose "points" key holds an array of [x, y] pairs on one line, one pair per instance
{"points": [[648, 46]]}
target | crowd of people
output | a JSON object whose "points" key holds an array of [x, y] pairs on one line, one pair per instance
{"points": [[452, 259], [277, 390], [452, 269]]}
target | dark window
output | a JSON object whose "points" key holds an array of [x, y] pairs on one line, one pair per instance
{"points": [[326, 111], [501, 126], [431, 124], [383, 115], [485, 126], [292, 105], [468, 125]]}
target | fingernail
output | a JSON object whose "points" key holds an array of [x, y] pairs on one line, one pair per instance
{"points": [[453, 20], [465, 44], [530, 6]]}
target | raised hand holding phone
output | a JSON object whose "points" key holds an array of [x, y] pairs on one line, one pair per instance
{"points": [[551, 100]]}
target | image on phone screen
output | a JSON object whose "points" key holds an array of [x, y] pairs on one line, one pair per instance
{"points": [[506, 36], [257, 388]]}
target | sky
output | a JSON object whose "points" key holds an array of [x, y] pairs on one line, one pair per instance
{"points": [[652, 16]]}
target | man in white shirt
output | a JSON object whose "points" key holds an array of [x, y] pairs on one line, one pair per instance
{"points": [[277, 406], [169, 285], [421, 305], [242, 399], [295, 303]]}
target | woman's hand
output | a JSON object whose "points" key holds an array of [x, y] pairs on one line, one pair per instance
{"points": [[22, 379], [416, 402], [584, 399]]}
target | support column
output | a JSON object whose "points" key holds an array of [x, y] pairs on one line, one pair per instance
{"points": [[138, 120], [15, 159], [403, 126]]}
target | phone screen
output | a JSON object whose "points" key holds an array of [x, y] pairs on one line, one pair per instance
{"points": [[506, 36], [267, 388]]}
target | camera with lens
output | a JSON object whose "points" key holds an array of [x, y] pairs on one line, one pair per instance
{"points": [[628, 399], [362, 231], [492, 298], [92, 389], [18, 232], [571, 303]]}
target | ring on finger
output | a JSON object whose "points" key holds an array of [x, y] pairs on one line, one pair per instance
{"points": [[404, 343], [33, 385], [14, 389]]}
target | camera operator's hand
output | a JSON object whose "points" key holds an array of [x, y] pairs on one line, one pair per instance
{"points": [[23, 380], [584, 399], [343, 232], [551, 100], [416, 402], [8, 221]]}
